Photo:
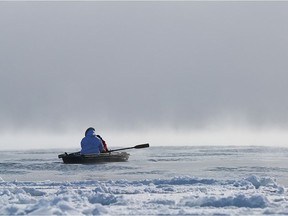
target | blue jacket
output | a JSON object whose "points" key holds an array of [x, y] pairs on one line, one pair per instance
{"points": [[91, 144]]}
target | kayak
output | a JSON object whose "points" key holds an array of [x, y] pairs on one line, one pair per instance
{"points": [[77, 158], [111, 156]]}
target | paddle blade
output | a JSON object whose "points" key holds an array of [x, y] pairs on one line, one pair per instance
{"points": [[146, 145]]}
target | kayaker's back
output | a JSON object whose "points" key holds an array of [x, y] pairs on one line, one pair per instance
{"points": [[91, 144]]}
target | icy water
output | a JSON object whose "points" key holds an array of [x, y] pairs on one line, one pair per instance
{"points": [[156, 180]]}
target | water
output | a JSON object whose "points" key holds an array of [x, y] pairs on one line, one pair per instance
{"points": [[154, 162], [156, 180]]}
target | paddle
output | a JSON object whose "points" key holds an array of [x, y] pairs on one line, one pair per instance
{"points": [[146, 145]]}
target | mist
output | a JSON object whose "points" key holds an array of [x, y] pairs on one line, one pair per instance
{"points": [[156, 71]]}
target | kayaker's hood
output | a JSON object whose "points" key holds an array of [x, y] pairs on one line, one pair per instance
{"points": [[90, 132]]}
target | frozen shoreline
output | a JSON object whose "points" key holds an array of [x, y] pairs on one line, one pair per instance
{"points": [[177, 195]]}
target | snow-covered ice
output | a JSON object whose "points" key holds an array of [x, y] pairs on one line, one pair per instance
{"points": [[175, 181], [177, 195]]}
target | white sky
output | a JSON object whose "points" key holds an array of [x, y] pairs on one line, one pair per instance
{"points": [[199, 72]]}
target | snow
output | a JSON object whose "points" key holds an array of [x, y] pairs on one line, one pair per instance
{"points": [[123, 193], [177, 195]]}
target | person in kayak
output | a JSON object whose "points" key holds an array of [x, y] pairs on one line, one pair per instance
{"points": [[91, 144]]}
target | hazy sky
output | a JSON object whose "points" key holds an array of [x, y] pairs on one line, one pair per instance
{"points": [[179, 67]]}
